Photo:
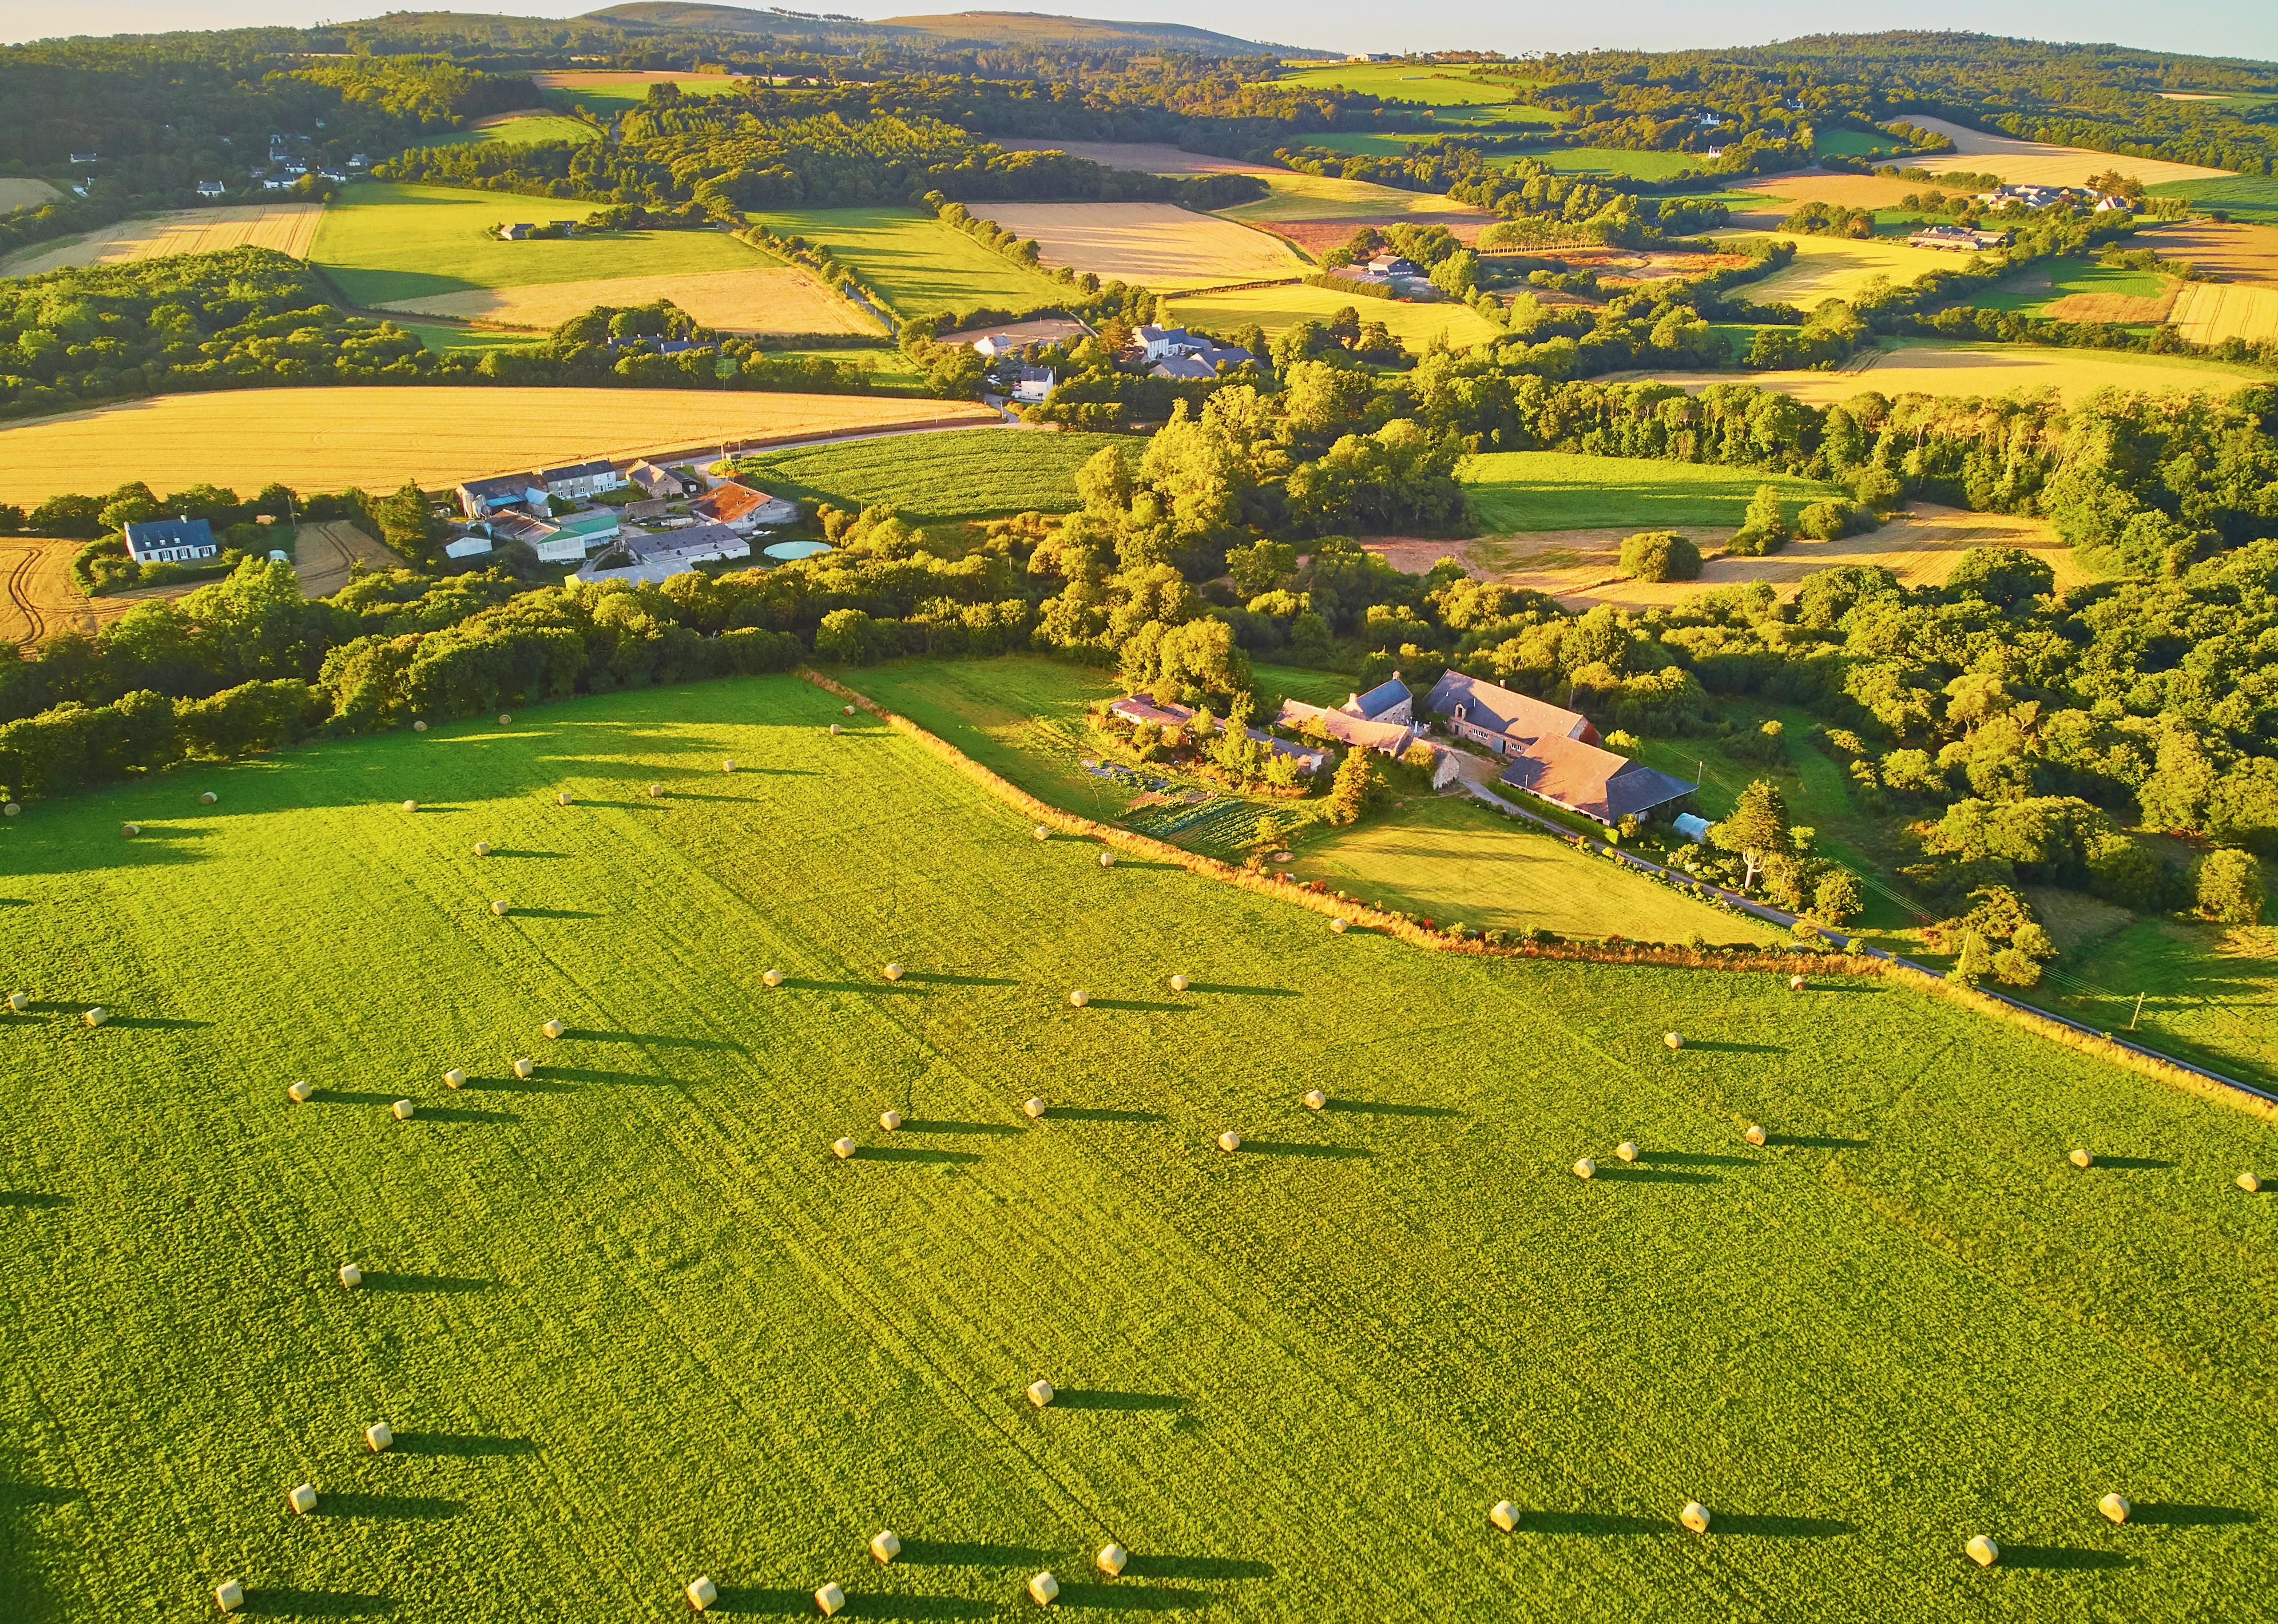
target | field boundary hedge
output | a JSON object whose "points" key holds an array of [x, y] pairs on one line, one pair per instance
{"points": [[1821, 963]]}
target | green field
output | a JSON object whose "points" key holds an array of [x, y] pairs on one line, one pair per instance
{"points": [[917, 264], [1641, 165], [1408, 81], [382, 242], [1853, 143], [1559, 491], [632, 1322], [2032, 290], [522, 129], [1023, 719], [1277, 309], [932, 478], [606, 98], [442, 337], [1454, 861], [2243, 197]]}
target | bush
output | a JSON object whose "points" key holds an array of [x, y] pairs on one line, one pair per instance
{"points": [[1831, 520], [2230, 889], [1764, 530], [1660, 555]]}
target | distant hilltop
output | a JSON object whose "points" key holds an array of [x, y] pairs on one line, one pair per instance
{"points": [[956, 28]]}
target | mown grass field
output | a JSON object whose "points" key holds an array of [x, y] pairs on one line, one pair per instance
{"points": [[1293, 197], [520, 129], [915, 262], [631, 1321], [1559, 491], [377, 437], [606, 93], [1842, 267], [1920, 366], [1638, 164], [758, 297], [384, 243], [2065, 287], [932, 478], [2242, 197], [1277, 309]]}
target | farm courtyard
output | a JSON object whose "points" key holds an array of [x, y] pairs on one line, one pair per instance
{"points": [[632, 1322]]}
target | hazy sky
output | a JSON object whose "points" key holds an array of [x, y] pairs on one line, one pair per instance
{"points": [[2208, 27]]}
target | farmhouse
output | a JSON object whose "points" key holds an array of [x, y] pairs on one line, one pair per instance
{"points": [[212, 188], [1199, 364], [467, 545], [1504, 721], [652, 559], [1036, 384], [1387, 701], [1390, 739], [480, 499], [549, 541], [660, 483], [520, 232], [171, 541], [1597, 783], [743, 509], [1963, 238], [579, 480], [1018, 337]]}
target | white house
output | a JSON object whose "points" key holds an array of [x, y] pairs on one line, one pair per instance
{"points": [[171, 541], [1035, 382], [581, 480]]}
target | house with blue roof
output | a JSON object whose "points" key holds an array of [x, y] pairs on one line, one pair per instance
{"points": [[171, 541], [1387, 701]]}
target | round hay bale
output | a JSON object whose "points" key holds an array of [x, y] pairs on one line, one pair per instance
{"points": [[351, 1277], [20, 1002], [411, 806], [893, 973], [1043, 1589], [455, 1078], [656, 792], [2247, 1182], [1795, 984], [1041, 1392], [1079, 997], [301, 1092], [563, 799], [834, 729], [885, 1545], [523, 1067], [404, 1110], [505, 718], [553, 1029], [418, 727], [1339, 926], [1755, 1135], [729, 766], [482, 848], [890, 1120], [1035, 1107], [302, 1497], [831, 1601], [701, 1593], [13, 810], [1585, 1169], [1626, 1151], [1043, 833], [1107, 860], [1504, 1515], [1673, 1040], [846, 710], [208, 799], [1112, 1559], [1982, 1550], [2114, 1508], [1695, 1516], [1229, 1141], [501, 907], [229, 1595], [2082, 1158], [130, 830], [96, 1015], [842, 1148], [772, 978], [380, 1438], [1180, 984], [1316, 1101]]}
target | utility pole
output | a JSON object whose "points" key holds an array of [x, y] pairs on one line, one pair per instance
{"points": [[2139, 1011]]}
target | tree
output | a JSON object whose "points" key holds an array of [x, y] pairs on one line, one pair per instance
{"points": [[1836, 898], [1660, 555], [2230, 889], [1758, 829], [2002, 576], [1270, 832], [1261, 567], [1975, 965], [1765, 529], [1354, 786]]}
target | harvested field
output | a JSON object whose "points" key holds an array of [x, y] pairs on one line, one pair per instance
{"points": [[1148, 158], [1582, 567], [2235, 251], [1930, 366], [2119, 309], [1278, 309], [289, 228], [1319, 197], [1158, 245], [2209, 312], [917, 264], [764, 298], [579, 79], [2031, 163], [325, 556], [1318, 237], [323, 439], [42, 598], [1777, 196], [23, 193], [1841, 268]]}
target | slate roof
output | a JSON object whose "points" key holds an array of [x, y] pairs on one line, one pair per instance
{"points": [[1392, 738], [1379, 699], [160, 533], [1594, 782], [578, 470], [505, 488], [1498, 710]]}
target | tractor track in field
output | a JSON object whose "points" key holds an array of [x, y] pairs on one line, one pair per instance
{"points": [[35, 619]]}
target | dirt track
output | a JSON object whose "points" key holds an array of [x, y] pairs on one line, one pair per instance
{"points": [[325, 556]]}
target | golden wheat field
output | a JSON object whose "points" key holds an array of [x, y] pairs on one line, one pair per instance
{"points": [[2119, 309], [1277, 309], [769, 299], [1154, 244], [1295, 196], [26, 194], [2031, 163], [289, 228], [2233, 250], [1918, 367], [324, 439], [1778, 195], [325, 556], [2209, 312], [1842, 267], [1148, 158]]}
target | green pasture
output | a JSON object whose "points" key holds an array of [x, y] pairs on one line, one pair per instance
{"points": [[608, 97], [522, 130], [442, 337], [1021, 718], [2032, 290], [1639, 165], [1406, 81], [2210, 992], [632, 1322], [937, 478], [382, 242], [1853, 143], [2243, 197], [1559, 491], [917, 264]]}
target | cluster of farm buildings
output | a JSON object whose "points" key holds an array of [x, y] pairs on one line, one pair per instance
{"points": [[1014, 351], [574, 514]]}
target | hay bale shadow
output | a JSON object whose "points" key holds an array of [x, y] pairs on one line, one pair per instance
{"points": [[32, 1198], [1391, 1107], [1154, 1004], [1695, 1158], [1163, 1564], [461, 1445], [1772, 1527], [421, 1507], [1110, 1399], [912, 1153], [948, 980], [968, 1553], [1094, 1597], [939, 1125], [2062, 1559], [1227, 990], [270, 1601], [1813, 1141], [1291, 1147], [460, 1114], [1654, 1175], [1101, 1113], [1591, 1524], [2175, 1515], [388, 1280]]}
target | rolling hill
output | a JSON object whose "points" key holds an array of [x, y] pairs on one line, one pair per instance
{"points": [[957, 27]]}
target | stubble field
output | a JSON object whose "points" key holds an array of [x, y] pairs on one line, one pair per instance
{"points": [[1909, 366], [632, 1322], [763, 298], [2031, 163], [289, 228], [1157, 246], [1277, 309]]}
